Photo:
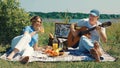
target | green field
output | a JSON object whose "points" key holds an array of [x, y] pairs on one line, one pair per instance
{"points": [[112, 47]]}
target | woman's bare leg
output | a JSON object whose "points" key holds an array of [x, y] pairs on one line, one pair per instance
{"points": [[11, 55]]}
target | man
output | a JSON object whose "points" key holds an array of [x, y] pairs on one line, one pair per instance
{"points": [[90, 45]]}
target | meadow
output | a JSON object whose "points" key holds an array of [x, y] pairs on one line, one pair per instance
{"points": [[112, 47]]}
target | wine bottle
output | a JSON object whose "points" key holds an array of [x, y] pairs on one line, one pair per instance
{"points": [[55, 43]]}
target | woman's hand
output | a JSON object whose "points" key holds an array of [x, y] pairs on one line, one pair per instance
{"points": [[40, 29]]}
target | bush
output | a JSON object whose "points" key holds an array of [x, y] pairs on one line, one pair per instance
{"points": [[12, 20]]}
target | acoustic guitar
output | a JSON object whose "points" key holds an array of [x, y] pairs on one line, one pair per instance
{"points": [[73, 41]]}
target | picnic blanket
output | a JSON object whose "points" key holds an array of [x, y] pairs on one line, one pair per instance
{"points": [[70, 55]]}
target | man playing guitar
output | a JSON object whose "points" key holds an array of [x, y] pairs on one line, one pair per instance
{"points": [[91, 44]]}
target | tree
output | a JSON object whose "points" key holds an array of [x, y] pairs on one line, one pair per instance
{"points": [[12, 20]]}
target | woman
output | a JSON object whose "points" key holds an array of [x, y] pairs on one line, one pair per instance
{"points": [[28, 41]]}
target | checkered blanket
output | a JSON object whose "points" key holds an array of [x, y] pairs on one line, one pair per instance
{"points": [[70, 55]]}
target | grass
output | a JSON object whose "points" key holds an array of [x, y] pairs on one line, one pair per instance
{"points": [[8, 64], [112, 47]]}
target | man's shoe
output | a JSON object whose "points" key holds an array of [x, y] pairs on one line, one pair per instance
{"points": [[95, 54]]}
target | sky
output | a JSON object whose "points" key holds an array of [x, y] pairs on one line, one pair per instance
{"points": [[81, 6]]}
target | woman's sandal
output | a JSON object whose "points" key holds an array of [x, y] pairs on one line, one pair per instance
{"points": [[25, 60]]}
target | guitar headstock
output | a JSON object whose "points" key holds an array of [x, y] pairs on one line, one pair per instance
{"points": [[106, 24]]}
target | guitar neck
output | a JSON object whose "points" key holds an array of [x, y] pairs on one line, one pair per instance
{"points": [[86, 31], [105, 24], [91, 29]]}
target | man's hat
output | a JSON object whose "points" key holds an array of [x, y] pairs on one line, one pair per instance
{"points": [[95, 12]]}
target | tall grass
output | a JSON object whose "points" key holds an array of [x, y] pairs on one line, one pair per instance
{"points": [[113, 44], [112, 47]]}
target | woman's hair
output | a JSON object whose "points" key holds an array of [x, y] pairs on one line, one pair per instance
{"points": [[35, 18]]}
